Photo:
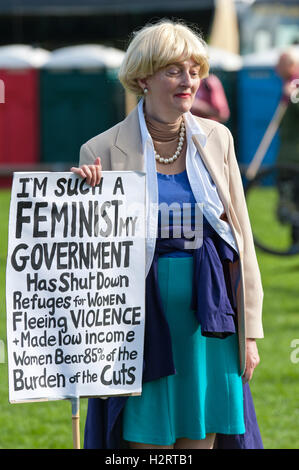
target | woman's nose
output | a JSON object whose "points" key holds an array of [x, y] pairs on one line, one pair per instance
{"points": [[186, 79]]}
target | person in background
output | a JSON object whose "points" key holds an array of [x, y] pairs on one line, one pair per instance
{"points": [[210, 101], [288, 185]]}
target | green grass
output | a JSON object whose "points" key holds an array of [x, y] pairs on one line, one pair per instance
{"points": [[262, 203], [275, 384]]}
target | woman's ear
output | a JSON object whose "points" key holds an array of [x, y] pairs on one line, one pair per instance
{"points": [[142, 82]]}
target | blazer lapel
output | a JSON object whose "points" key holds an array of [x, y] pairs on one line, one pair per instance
{"points": [[126, 153], [212, 156]]}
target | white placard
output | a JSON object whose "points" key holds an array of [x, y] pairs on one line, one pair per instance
{"points": [[75, 285]]}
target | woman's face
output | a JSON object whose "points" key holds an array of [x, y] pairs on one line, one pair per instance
{"points": [[171, 90]]}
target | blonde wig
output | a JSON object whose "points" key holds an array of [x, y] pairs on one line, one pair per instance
{"points": [[157, 45]]}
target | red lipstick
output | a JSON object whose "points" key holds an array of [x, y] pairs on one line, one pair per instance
{"points": [[183, 95]]}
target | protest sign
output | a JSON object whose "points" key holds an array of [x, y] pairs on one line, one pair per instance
{"points": [[75, 286]]}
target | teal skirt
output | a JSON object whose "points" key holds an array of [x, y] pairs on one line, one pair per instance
{"points": [[205, 395]]}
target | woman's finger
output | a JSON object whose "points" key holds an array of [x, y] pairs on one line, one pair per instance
{"points": [[98, 173], [87, 173], [82, 171], [248, 373], [92, 173], [77, 171], [247, 376], [93, 170]]}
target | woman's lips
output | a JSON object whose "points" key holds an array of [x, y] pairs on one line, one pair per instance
{"points": [[183, 95]]}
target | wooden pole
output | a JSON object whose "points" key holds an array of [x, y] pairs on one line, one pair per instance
{"points": [[76, 421], [266, 141]]}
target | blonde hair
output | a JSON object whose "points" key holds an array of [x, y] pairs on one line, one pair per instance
{"points": [[157, 45]]}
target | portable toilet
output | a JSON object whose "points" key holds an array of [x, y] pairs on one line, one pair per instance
{"points": [[80, 97], [259, 92], [19, 109]]}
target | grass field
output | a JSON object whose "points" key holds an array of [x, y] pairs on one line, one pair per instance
{"points": [[275, 385]]}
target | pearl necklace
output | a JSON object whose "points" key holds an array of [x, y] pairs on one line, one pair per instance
{"points": [[178, 149]]}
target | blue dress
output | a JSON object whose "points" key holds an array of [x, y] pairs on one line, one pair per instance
{"points": [[205, 394]]}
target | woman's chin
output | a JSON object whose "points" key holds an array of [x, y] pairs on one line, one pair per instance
{"points": [[185, 104], [185, 107]]}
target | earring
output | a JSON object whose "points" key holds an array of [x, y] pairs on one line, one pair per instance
{"points": [[145, 91]]}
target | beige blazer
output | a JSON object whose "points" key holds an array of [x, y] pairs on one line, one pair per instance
{"points": [[120, 148]]}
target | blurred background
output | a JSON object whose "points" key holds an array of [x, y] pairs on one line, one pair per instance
{"points": [[59, 60], [58, 88]]}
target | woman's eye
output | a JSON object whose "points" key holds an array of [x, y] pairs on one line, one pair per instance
{"points": [[173, 71], [176, 71]]}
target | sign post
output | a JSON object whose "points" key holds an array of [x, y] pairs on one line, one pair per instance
{"points": [[75, 287], [76, 422]]}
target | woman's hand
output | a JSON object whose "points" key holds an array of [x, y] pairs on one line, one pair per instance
{"points": [[92, 173], [252, 359]]}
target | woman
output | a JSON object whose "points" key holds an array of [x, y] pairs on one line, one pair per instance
{"points": [[203, 304]]}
